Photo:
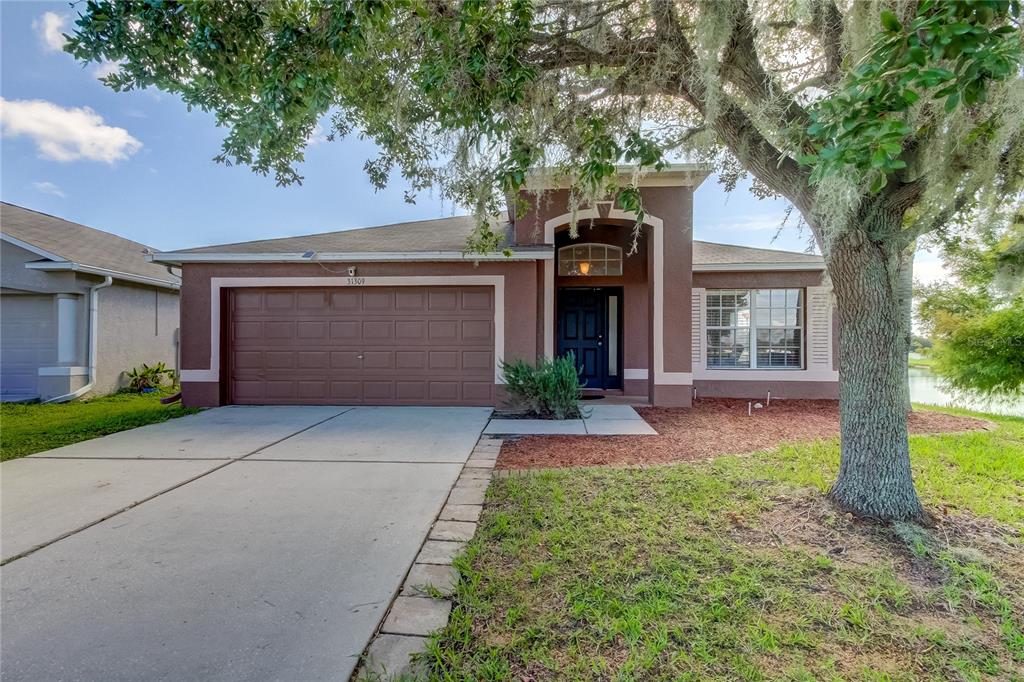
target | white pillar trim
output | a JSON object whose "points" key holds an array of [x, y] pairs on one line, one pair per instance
{"points": [[67, 329]]}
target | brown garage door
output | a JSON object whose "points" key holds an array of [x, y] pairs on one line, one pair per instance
{"points": [[361, 345]]}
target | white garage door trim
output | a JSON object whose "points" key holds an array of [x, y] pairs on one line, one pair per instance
{"points": [[217, 283]]}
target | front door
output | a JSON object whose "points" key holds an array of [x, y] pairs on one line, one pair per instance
{"points": [[585, 332]]}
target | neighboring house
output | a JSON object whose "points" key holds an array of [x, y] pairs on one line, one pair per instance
{"points": [[78, 307], [398, 314]]}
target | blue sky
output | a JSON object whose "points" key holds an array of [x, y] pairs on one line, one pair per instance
{"points": [[140, 165]]}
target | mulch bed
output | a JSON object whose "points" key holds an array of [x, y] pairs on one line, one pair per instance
{"points": [[711, 427]]}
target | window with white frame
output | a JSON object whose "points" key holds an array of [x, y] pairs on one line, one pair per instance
{"points": [[755, 328], [589, 260]]}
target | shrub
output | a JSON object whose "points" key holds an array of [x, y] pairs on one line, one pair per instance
{"points": [[148, 377], [551, 389]]}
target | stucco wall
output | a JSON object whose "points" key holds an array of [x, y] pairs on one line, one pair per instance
{"points": [[14, 274], [137, 325]]}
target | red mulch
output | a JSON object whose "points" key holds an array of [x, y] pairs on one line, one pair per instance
{"points": [[711, 427]]}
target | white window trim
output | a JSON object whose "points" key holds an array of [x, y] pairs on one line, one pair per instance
{"points": [[813, 372], [753, 329]]}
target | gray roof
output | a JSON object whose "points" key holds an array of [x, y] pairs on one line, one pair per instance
{"points": [[79, 244], [443, 234], [710, 253], [449, 235]]}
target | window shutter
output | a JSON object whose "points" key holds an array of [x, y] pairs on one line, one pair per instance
{"points": [[696, 330], [819, 328]]}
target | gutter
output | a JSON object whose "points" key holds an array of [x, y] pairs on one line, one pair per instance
{"points": [[94, 319], [179, 257], [71, 266]]}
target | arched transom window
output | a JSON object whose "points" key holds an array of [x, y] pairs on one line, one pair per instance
{"points": [[589, 260]]}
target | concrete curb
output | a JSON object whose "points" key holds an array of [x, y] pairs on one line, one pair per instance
{"points": [[422, 605]]}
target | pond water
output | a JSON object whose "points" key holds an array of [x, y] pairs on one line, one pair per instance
{"points": [[927, 388]]}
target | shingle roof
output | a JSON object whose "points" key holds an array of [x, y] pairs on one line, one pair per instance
{"points": [[449, 235], [710, 253], [80, 244], [443, 234]]}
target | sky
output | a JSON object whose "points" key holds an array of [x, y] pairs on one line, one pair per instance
{"points": [[140, 164]]}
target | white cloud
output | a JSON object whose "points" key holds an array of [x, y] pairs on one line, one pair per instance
{"points": [[49, 188], [50, 27], [318, 136], [65, 134], [105, 68]]}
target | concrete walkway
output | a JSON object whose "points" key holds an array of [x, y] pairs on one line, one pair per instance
{"points": [[242, 543], [598, 420]]}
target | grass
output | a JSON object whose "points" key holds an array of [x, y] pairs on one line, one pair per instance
{"points": [[921, 361], [738, 569], [29, 428]]}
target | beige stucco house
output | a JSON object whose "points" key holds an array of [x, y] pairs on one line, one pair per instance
{"points": [[399, 314], [78, 307]]}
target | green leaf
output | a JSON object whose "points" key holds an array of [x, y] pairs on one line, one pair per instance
{"points": [[890, 22], [878, 183], [952, 101]]}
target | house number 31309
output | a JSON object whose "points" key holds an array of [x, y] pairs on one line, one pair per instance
{"points": [[356, 281]]}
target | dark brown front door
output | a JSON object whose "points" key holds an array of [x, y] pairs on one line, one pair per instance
{"points": [[361, 345]]}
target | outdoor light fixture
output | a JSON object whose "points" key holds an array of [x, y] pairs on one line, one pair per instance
{"points": [[309, 254], [584, 268], [351, 271]]}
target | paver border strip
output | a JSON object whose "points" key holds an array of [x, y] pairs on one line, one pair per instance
{"points": [[382, 649]]}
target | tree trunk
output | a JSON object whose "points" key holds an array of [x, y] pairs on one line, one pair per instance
{"points": [[874, 472], [905, 289]]}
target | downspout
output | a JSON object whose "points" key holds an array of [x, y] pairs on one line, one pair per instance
{"points": [[94, 316]]}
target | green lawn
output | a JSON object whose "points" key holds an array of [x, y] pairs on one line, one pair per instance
{"points": [[29, 428], [737, 569]]}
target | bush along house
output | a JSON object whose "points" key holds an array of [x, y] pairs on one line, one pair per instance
{"points": [[400, 315]]}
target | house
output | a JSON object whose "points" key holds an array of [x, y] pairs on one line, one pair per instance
{"points": [[398, 314], [78, 307]]}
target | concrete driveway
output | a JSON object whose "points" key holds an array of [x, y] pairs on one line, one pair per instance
{"points": [[242, 543]]}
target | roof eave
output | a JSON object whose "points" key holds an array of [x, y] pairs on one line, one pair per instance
{"points": [[181, 257], [743, 267], [71, 266]]}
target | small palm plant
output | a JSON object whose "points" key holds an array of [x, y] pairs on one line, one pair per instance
{"points": [[148, 378]]}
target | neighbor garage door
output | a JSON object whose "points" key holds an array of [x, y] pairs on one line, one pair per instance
{"points": [[27, 342], [361, 345]]}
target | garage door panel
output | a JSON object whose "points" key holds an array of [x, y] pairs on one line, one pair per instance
{"points": [[312, 390], [378, 330], [279, 300], [315, 359], [346, 391], [477, 300], [478, 331], [373, 345], [378, 359], [279, 359], [411, 331], [378, 390], [477, 360], [278, 330]]}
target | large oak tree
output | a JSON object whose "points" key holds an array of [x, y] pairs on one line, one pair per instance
{"points": [[878, 121]]}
